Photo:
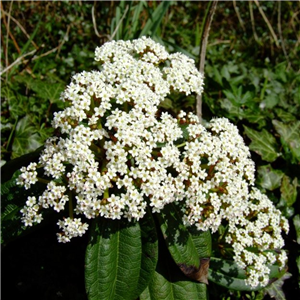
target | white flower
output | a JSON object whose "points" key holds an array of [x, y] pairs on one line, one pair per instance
{"points": [[118, 153]]}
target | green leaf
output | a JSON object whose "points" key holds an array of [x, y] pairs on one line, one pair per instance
{"points": [[155, 19], [17, 102], [48, 90], [14, 165], [13, 198], [275, 289], [202, 241], [298, 266], [284, 115], [178, 239], [113, 260], [268, 178], [149, 252], [290, 138], [169, 283], [289, 190], [227, 274], [135, 19], [296, 221], [26, 139], [263, 143]]}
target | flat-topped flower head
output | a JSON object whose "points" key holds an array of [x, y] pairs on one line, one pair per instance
{"points": [[113, 140], [119, 154]]}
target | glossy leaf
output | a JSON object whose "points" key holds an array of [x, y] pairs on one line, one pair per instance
{"points": [[269, 178], [227, 274], [149, 252], [263, 143], [290, 138], [178, 239], [202, 241], [13, 198], [113, 260], [169, 283]]}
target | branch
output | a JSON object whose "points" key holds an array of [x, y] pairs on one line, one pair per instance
{"points": [[204, 38], [115, 32], [280, 34], [253, 23], [238, 15], [18, 60], [268, 23]]}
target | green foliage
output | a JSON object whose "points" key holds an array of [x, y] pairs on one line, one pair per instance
{"points": [[113, 260], [226, 273], [248, 80], [12, 201]]}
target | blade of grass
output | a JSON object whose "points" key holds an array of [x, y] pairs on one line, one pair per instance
{"points": [[32, 36], [155, 19], [135, 19], [118, 30]]}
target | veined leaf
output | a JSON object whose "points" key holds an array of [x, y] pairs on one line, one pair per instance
{"points": [[48, 91], [202, 241], [263, 143], [113, 260], [190, 250], [296, 221], [289, 190], [227, 274], [275, 289], [149, 252], [268, 178], [178, 239], [26, 139], [169, 283], [290, 138]]}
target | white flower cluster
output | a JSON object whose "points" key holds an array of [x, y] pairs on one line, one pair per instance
{"points": [[118, 154], [259, 227]]}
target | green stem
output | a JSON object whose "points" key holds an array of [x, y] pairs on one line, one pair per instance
{"points": [[42, 180], [262, 93], [11, 133], [181, 145], [71, 215], [205, 26]]}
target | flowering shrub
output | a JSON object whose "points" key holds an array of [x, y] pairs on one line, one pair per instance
{"points": [[118, 156]]}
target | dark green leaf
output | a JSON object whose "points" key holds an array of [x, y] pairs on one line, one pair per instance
{"points": [[113, 260], [289, 190], [296, 221], [284, 115], [26, 139], [50, 91], [226, 273], [149, 252], [178, 239], [263, 143], [268, 178], [202, 241], [156, 18], [169, 283], [290, 138]]}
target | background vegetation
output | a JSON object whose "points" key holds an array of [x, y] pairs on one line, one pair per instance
{"points": [[252, 77]]}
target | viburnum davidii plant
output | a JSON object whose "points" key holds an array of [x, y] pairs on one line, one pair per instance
{"points": [[146, 176]]}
